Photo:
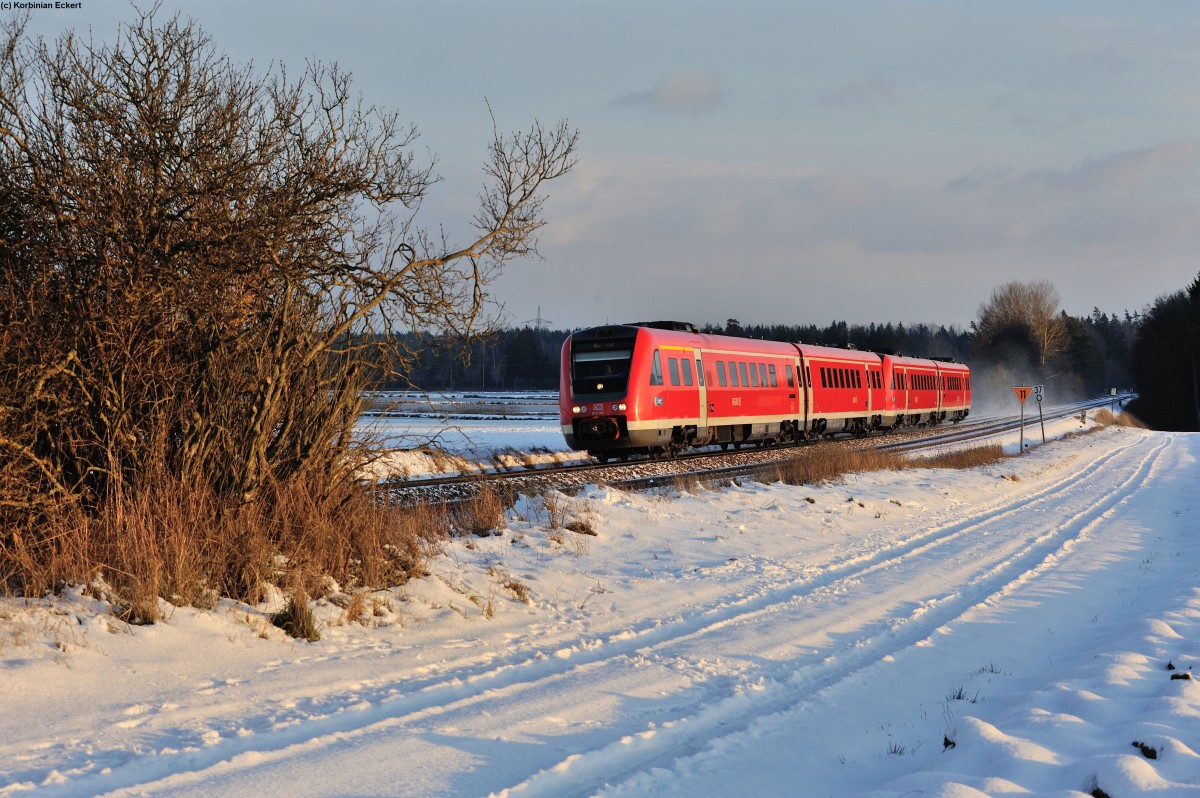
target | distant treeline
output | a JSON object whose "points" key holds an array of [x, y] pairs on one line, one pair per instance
{"points": [[526, 358]]}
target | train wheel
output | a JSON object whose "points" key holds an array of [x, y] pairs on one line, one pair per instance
{"points": [[602, 458]]}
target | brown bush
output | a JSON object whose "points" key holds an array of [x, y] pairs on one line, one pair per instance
{"points": [[202, 270]]}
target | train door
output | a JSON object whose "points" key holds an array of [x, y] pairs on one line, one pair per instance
{"points": [[702, 388], [866, 381], [939, 399], [804, 388]]}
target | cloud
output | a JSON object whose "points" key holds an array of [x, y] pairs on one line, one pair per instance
{"points": [[1113, 230], [1106, 59], [1132, 168], [682, 92], [865, 93]]}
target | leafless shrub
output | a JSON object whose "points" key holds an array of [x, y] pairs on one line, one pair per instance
{"points": [[201, 270]]}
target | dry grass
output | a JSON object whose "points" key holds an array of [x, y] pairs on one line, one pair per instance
{"points": [[963, 458], [519, 589], [480, 514], [1106, 418], [179, 542], [819, 465], [297, 619]]}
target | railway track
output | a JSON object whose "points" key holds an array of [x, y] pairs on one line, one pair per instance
{"points": [[708, 464]]}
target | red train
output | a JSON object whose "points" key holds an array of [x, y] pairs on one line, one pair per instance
{"points": [[659, 388]]}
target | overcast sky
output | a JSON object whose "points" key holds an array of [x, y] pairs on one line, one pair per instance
{"points": [[788, 162]]}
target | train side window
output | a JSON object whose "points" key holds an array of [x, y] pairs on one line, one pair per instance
{"points": [[787, 370], [822, 376], [699, 373], [807, 377], [762, 374], [687, 371], [721, 380], [858, 379], [656, 370], [771, 374], [673, 369], [733, 378], [753, 376], [742, 371]]}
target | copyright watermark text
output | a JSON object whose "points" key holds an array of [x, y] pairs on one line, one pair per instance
{"points": [[38, 5]]}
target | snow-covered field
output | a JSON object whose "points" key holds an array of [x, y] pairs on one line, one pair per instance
{"points": [[1009, 630]]}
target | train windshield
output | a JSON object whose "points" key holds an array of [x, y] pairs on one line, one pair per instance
{"points": [[600, 371]]}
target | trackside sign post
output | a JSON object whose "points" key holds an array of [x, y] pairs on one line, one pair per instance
{"points": [[1022, 393], [1037, 394]]}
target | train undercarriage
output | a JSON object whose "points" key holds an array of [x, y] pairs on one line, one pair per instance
{"points": [[609, 438]]}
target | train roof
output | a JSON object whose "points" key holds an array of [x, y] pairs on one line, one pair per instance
{"points": [[682, 333]]}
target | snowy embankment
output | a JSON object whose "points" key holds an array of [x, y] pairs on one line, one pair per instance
{"points": [[1001, 631]]}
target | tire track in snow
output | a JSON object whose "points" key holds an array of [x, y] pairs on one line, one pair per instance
{"points": [[459, 689], [631, 755]]}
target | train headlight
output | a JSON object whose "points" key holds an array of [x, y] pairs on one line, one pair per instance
{"points": [[619, 407], [577, 409]]}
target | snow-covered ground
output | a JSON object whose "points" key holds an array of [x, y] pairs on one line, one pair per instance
{"points": [[453, 433], [1009, 630]]}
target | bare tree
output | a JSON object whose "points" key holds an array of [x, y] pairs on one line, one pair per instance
{"points": [[1023, 310], [201, 265]]}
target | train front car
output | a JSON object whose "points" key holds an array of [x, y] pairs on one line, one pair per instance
{"points": [[606, 405]]}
